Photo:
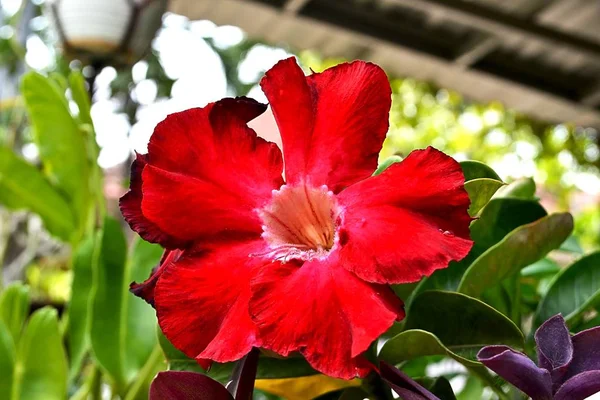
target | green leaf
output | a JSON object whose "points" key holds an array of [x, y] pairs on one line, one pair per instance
{"points": [[123, 326], [457, 319], [502, 216], [14, 308], [480, 192], [78, 331], [22, 186], [523, 188], [109, 304], [592, 323], [523, 246], [503, 297], [7, 360], [81, 97], [415, 343], [545, 266], [452, 324], [41, 371], [475, 169], [59, 139], [573, 290], [140, 336], [443, 279], [386, 163]]}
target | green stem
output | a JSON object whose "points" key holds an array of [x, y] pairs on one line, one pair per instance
{"points": [[85, 390], [4, 238], [96, 384], [156, 357], [488, 379]]}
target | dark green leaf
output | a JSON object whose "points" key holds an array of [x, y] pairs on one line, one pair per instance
{"points": [[503, 297], [41, 371], [480, 192], [59, 139], [448, 278], [442, 389], [386, 163], [591, 323], [572, 291], [502, 216], [353, 394], [457, 319], [475, 169], [268, 367], [14, 308], [443, 279], [523, 246], [452, 324], [405, 290], [85, 261], [22, 186], [415, 343]]}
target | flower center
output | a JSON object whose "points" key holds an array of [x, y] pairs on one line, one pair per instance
{"points": [[299, 222]]}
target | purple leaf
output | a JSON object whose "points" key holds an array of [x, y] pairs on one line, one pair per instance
{"points": [[580, 386], [183, 385], [586, 357], [555, 350], [519, 370], [403, 385]]}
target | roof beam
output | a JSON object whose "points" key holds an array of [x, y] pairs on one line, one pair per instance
{"points": [[592, 98], [495, 21], [476, 52], [294, 6]]}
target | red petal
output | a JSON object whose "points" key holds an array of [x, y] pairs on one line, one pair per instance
{"points": [[202, 302], [332, 124], [145, 290], [407, 222], [323, 311], [131, 208], [207, 171]]}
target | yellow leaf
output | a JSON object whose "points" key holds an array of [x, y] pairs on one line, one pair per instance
{"points": [[304, 388]]}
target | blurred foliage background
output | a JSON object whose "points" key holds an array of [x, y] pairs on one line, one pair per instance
{"points": [[563, 159]]}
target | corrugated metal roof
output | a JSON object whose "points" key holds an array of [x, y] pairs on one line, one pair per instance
{"points": [[541, 57]]}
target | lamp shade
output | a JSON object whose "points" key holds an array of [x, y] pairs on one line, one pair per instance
{"points": [[119, 31]]}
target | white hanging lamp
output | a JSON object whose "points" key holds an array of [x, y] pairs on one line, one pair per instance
{"points": [[113, 32]]}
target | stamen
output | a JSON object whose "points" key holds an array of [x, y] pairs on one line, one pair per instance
{"points": [[298, 223]]}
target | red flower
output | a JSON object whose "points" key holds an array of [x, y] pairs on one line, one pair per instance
{"points": [[300, 265]]}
